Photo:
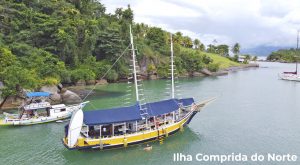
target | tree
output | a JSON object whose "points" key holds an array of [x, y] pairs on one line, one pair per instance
{"points": [[223, 50], [211, 49], [196, 43], [236, 48], [247, 58], [254, 58], [187, 42], [6, 59], [156, 37], [109, 44], [202, 47], [236, 58]]}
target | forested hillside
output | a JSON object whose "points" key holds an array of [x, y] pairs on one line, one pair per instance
{"points": [[51, 41], [285, 55]]}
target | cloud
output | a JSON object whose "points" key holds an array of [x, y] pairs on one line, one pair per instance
{"points": [[249, 22]]}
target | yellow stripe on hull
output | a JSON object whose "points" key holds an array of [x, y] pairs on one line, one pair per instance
{"points": [[2, 123]]}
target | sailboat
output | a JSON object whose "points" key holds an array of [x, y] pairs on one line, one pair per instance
{"points": [[291, 76], [131, 125]]}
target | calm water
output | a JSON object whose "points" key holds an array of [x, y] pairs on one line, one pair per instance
{"points": [[254, 113]]}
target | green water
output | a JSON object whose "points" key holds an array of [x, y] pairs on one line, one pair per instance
{"points": [[254, 113]]}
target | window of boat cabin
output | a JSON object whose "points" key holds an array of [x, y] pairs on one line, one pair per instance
{"points": [[59, 110], [48, 111]]}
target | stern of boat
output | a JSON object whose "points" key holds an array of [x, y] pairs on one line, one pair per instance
{"points": [[4, 123], [65, 143]]}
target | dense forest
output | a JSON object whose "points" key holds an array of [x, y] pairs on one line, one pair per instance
{"points": [[285, 55], [45, 42]]}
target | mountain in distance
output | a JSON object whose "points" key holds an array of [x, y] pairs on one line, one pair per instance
{"points": [[262, 50]]}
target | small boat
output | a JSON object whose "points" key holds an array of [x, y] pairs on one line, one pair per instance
{"points": [[37, 110], [131, 125], [291, 76]]}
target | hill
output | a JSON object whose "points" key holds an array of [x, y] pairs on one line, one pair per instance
{"points": [[285, 55], [261, 50], [46, 42]]}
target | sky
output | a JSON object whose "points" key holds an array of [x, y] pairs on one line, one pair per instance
{"points": [[251, 23]]}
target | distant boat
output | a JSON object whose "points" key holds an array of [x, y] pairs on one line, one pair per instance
{"points": [[37, 110], [291, 76], [135, 124]]}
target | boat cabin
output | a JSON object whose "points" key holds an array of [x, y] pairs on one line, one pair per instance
{"points": [[36, 105]]}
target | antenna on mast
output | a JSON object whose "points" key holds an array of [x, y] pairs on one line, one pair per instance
{"points": [[134, 67], [172, 67]]}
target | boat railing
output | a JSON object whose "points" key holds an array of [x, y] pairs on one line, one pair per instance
{"points": [[149, 128], [33, 106]]}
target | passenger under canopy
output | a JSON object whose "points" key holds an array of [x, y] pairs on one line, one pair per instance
{"points": [[132, 113]]}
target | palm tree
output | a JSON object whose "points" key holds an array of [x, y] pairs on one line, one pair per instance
{"points": [[236, 48]]}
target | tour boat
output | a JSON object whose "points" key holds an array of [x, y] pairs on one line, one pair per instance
{"points": [[37, 110], [130, 125]]}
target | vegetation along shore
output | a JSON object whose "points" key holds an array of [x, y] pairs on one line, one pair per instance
{"points": [[46, 43], [285, 56]]}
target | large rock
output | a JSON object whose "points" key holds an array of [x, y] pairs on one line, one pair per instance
{"points": [[197, 74], [80, 83], [220, 73], [90, 82], [206, 72], [55, 97], [70, 97], [50, 89], [12, 102], [153, 77], [102, 82]]}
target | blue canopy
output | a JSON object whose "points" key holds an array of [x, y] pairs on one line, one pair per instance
{"points": [[132, 113], [115, 115], [186, 101], [37, 94], [162, 107]]}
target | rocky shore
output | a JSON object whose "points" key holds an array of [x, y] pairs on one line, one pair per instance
{"points": [[57, 96], [205, 72], [75, 94]]}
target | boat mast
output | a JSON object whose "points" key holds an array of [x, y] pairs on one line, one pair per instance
{"points": [[172, 66], [297, 50], [134, 67]]}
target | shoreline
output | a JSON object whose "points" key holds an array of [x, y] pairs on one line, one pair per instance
{"points": [[81, 91]]}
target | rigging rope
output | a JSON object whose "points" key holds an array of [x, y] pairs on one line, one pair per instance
{"points": [[106, 72]]}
